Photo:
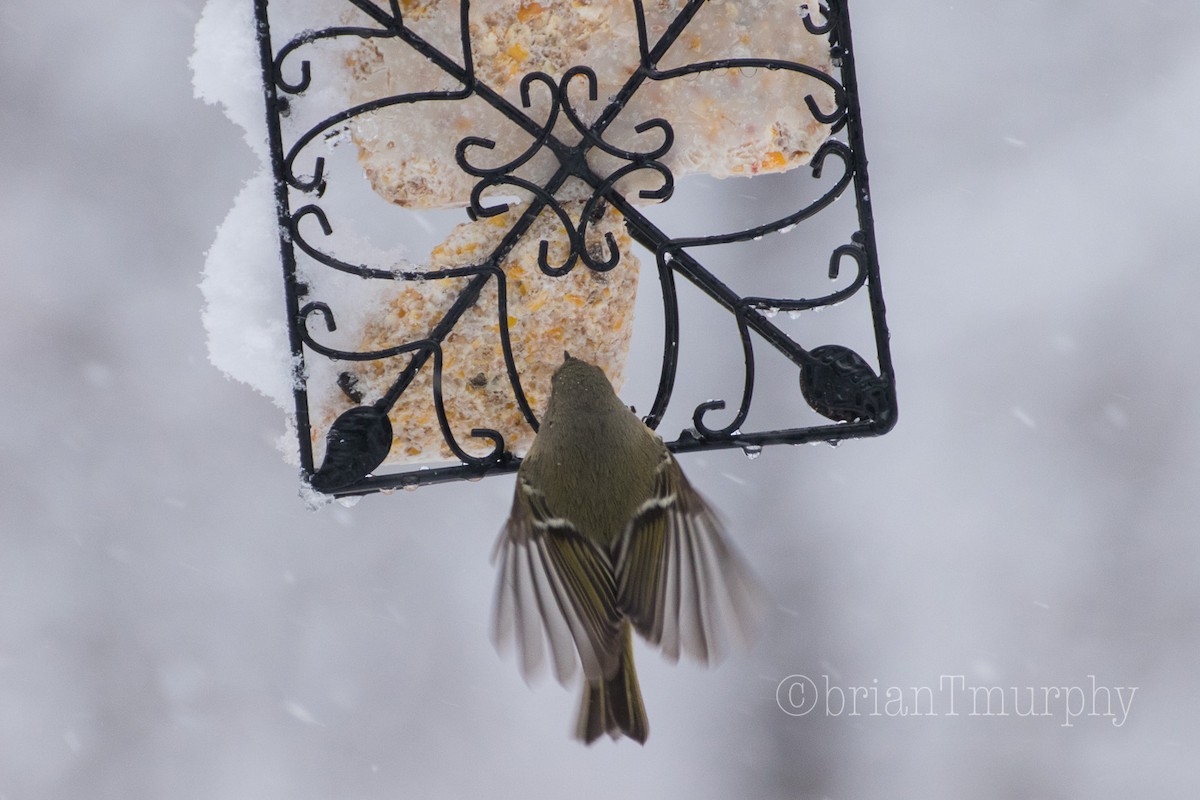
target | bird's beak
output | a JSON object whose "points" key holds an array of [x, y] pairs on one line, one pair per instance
{"points": [[567, 357]]}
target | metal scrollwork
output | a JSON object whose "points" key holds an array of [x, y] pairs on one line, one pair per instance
{"points": [[566, 118]]}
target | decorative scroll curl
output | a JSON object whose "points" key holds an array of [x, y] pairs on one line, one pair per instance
{"points": [[573, 162]]}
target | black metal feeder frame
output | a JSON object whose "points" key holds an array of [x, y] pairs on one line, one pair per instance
{"points": [[834, 380]]}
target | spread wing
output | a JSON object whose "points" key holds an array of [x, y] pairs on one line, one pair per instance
{"points": [[677, 579], [556, 587]]}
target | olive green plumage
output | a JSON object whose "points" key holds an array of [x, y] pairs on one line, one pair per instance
{"points": [[606, 536]]}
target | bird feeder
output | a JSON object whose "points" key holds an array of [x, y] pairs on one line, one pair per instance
{"points": [[465, 190]]}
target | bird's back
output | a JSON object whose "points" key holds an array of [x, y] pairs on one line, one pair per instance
{"points": [[604, 458]]}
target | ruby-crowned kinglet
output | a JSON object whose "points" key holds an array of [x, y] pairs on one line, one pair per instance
{"points": [[606, 535]]}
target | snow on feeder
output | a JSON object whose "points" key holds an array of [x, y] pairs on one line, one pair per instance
{"points": [[462, 191]]}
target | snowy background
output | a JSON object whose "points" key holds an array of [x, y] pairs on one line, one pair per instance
{"points": [[174, 624]]}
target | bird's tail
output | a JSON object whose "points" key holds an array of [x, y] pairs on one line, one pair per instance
{"points": [[614, 705]]}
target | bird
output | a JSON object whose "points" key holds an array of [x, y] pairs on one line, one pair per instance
{"points": [[607, 537]]}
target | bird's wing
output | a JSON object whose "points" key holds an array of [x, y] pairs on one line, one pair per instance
{"points": [[554, 586], [677, 579]]}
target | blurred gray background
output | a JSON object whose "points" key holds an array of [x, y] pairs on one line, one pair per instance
{"points": [[174, 624]]}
